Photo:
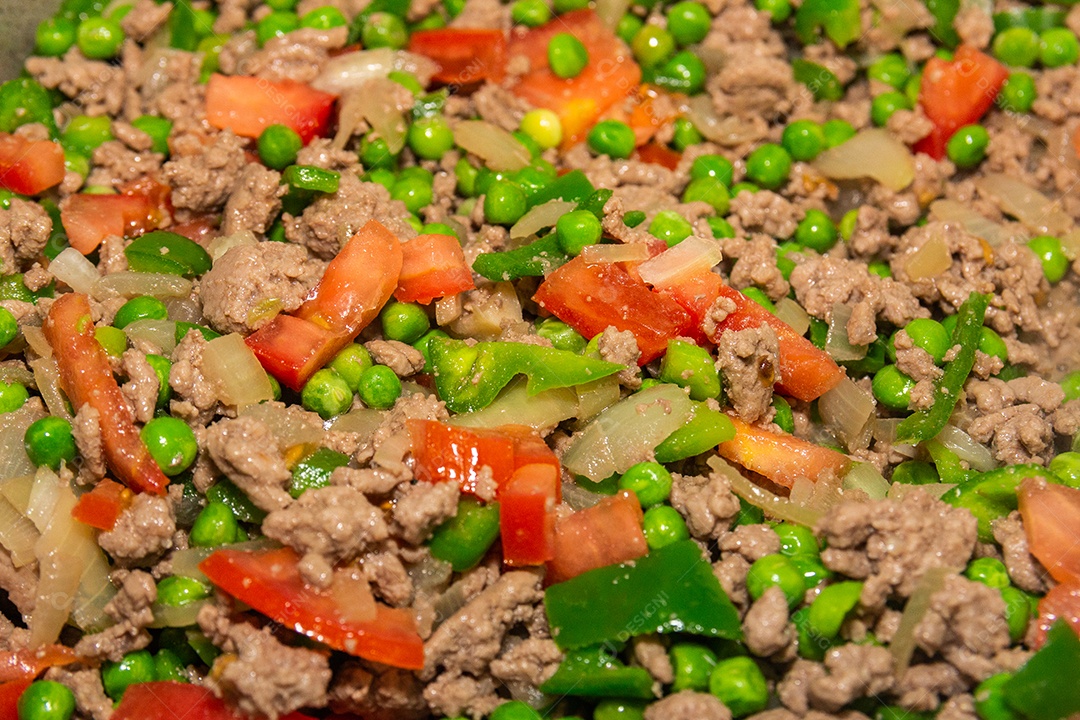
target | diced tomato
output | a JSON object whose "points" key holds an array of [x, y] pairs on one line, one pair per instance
{"points": [[171, 700], [270, 582], [201, 229], [1051, 514], [957, 93], [592, 297], [1062, 603], [527, 515], [355, 286], [86, 378], [658, 154], [88, 219], [780, 457], [9, 698], [464, 55], [27, 663], [432, 266], [248, 105], [100, 507], [530, 449], [29, 166], [604, 534], [609, 77]]}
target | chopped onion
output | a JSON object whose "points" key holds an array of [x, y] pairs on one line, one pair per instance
{"points": [[902, 646], [44, 493], [171, 616], [898, 491], [690, 257], [374, 103], [184, 309], [514, 405], [185, 563], [229, 363], [35, 338], [729, 130], [836, 342], [872, 153], [17, 534], [290, 425], [47, 377], [627, 432], [391, 452], [606, 254], [72, 267], [490, 314], [17, 491], [1025, 203], [1070, 244], [848, 410], [611, 11], [885, 431], [430, 574], [14, 462], [965, 447], [541, 216], [771, 504], [362, 421], [500, 150], [448, 309], [930, 260], [131, 284], [865, 477], [972, 221], [819, 495], [159, 333], [224, 243], [595, 396], [351, 70], [792, 313]]}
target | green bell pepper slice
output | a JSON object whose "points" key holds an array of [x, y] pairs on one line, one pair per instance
{"points": [[469, 377], [992, 495], [1045, 688], [162, 251], [944, 12], [572, 187], [706, 429], [314, 471], [464, 539], [672, 589], [820, 80], [596, 672], [536, 259], [840, 20]]}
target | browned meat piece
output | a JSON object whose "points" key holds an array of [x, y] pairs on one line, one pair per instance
{"points": [[247, 452], [203, 181], [336, 522], [748, 361], [144, 530], [130, 608], [24, 230], [255, 201], [688, 705]]}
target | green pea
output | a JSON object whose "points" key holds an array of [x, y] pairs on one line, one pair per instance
{"points": [[561, 335], [350, 364], [915, 472], [892, 388], [967, 147], [514, 710], [1058, 47], [832, 606], [988, 571], [683, 72], [85, 134], [685, 135], [884, 105], [716, 167], [837, 132], [567, 55], [49, 442], [504, 203], [650, 481], [619, 710], [143, 307], [628, 27], [276, 24], [530, 13], [652, 45], [404, 322], [846, 226], [99, 38], [326, 393], [278, 146], [383, 29], [9, 327], [992, 344], [693, 664], [430, 138], [158, 128], [768, 166], [1018, 93], [803, 139], [891, 69], [879, 268], [1016, 46], [783, 417], [739, 683], [12, 396], [171, 443], [375, 154], [662, 526], [671, 227], [162, 366], [179, 590], [930, 335], [796, 539], [779, 10], [168, 665], [990, 701], [215, 525], [1054, 263], [379, 387], [576, 230], [816, 231], [611, 137], [720, 227], [323, 18], [776, 570], [134, 668], [46, 700], [413, 190], [1018, 606], [54, 36], [688, 22]]}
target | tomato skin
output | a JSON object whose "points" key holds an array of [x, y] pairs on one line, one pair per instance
{"points": [[140, 206], [10, 692], [604, 534], [100, 507], [168, 700], [86, 378], [1062, 603], [270, 582], [957, 93], [27, 664], [527, 515], [248, 105], [780, 457], [464, 55], [29, 166], [592, 297], [1051, 514], [433, 266]]}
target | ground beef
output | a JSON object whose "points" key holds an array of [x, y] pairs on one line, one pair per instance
{"points": [[651, 654], [145, 17], [19, 584], [731, 573], [965, 625], [130, 608], [250, 282], [420, 507], [195, 398], [753, 542], [366, 480], [913, 361], [298, 56], [260, 674], [890, 543], [255, 201], [620, 346], [499, 107], [141, 388], [115, 164], [336, 522], [203, 182], [848, 672], [755, 264], [86, 429], [403, 359], [85, 685], [24, 229], [532, 661], [766, 627], [921, 686], [247, 452], [1019, 433], [1024, 570], [765, 212], [688, 705], [748, 361], [97, 88], [322, 153], [706, 502], [143, 530], [388, 577]]}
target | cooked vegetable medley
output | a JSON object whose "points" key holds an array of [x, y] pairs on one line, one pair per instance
{"points": [[626, 360]]}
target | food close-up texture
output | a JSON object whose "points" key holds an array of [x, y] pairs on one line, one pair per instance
{"points": [[522, 359]]}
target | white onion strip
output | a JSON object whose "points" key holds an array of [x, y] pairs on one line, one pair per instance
{"points": [[690, 257]]}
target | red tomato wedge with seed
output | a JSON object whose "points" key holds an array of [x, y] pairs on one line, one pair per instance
{"points": [[780, 457], [957, 93], [604, 534], [248, 105], [464, 55], [28, 167], [432, 266], [527, 515], [171, 700], [1051, 514], [270, 582]]}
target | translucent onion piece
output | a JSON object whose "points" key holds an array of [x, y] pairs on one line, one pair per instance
{"points": [[375, 104], [836, 342], [130, 284], [14, 462], [872, 153], [185, 563], [595, 396], [578, 497], [611, 11], [363, 421], [351, 70], [513, 405], [234, 369], [489, 315], [1070, 244], [173, 616], [618, 252], [72, 267], [184, 309], [965, 447], [627, 432], [729, 130], [542, 216], [35, 338], [902, 646], [17, 534], [793, 314], [95, 592], [898, 491], [773, 505], [44, 494], [448, 309], [864, 476], [430, 574], [1038, 212], [848, 410], [290, 425], [818, 496], [690, 257], [972, 221], [17, 491], [391, 452], [47, 376], [159, 333], [930, 260], [500, 150], [224, 243]]}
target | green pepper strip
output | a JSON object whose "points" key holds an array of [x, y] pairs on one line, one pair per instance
{"points": [[839, 19], [595, 202], [161, 251], [309, 177], [225, 492], [596, 672], [944, 12], [182, 32], [672, 589], [992, 495], [536, 259], [706, 429], [469, 377], [464, 539], [314, 471], [572, 187], [926, 424], [1045, 688], [820, 80], [948, 465]]}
